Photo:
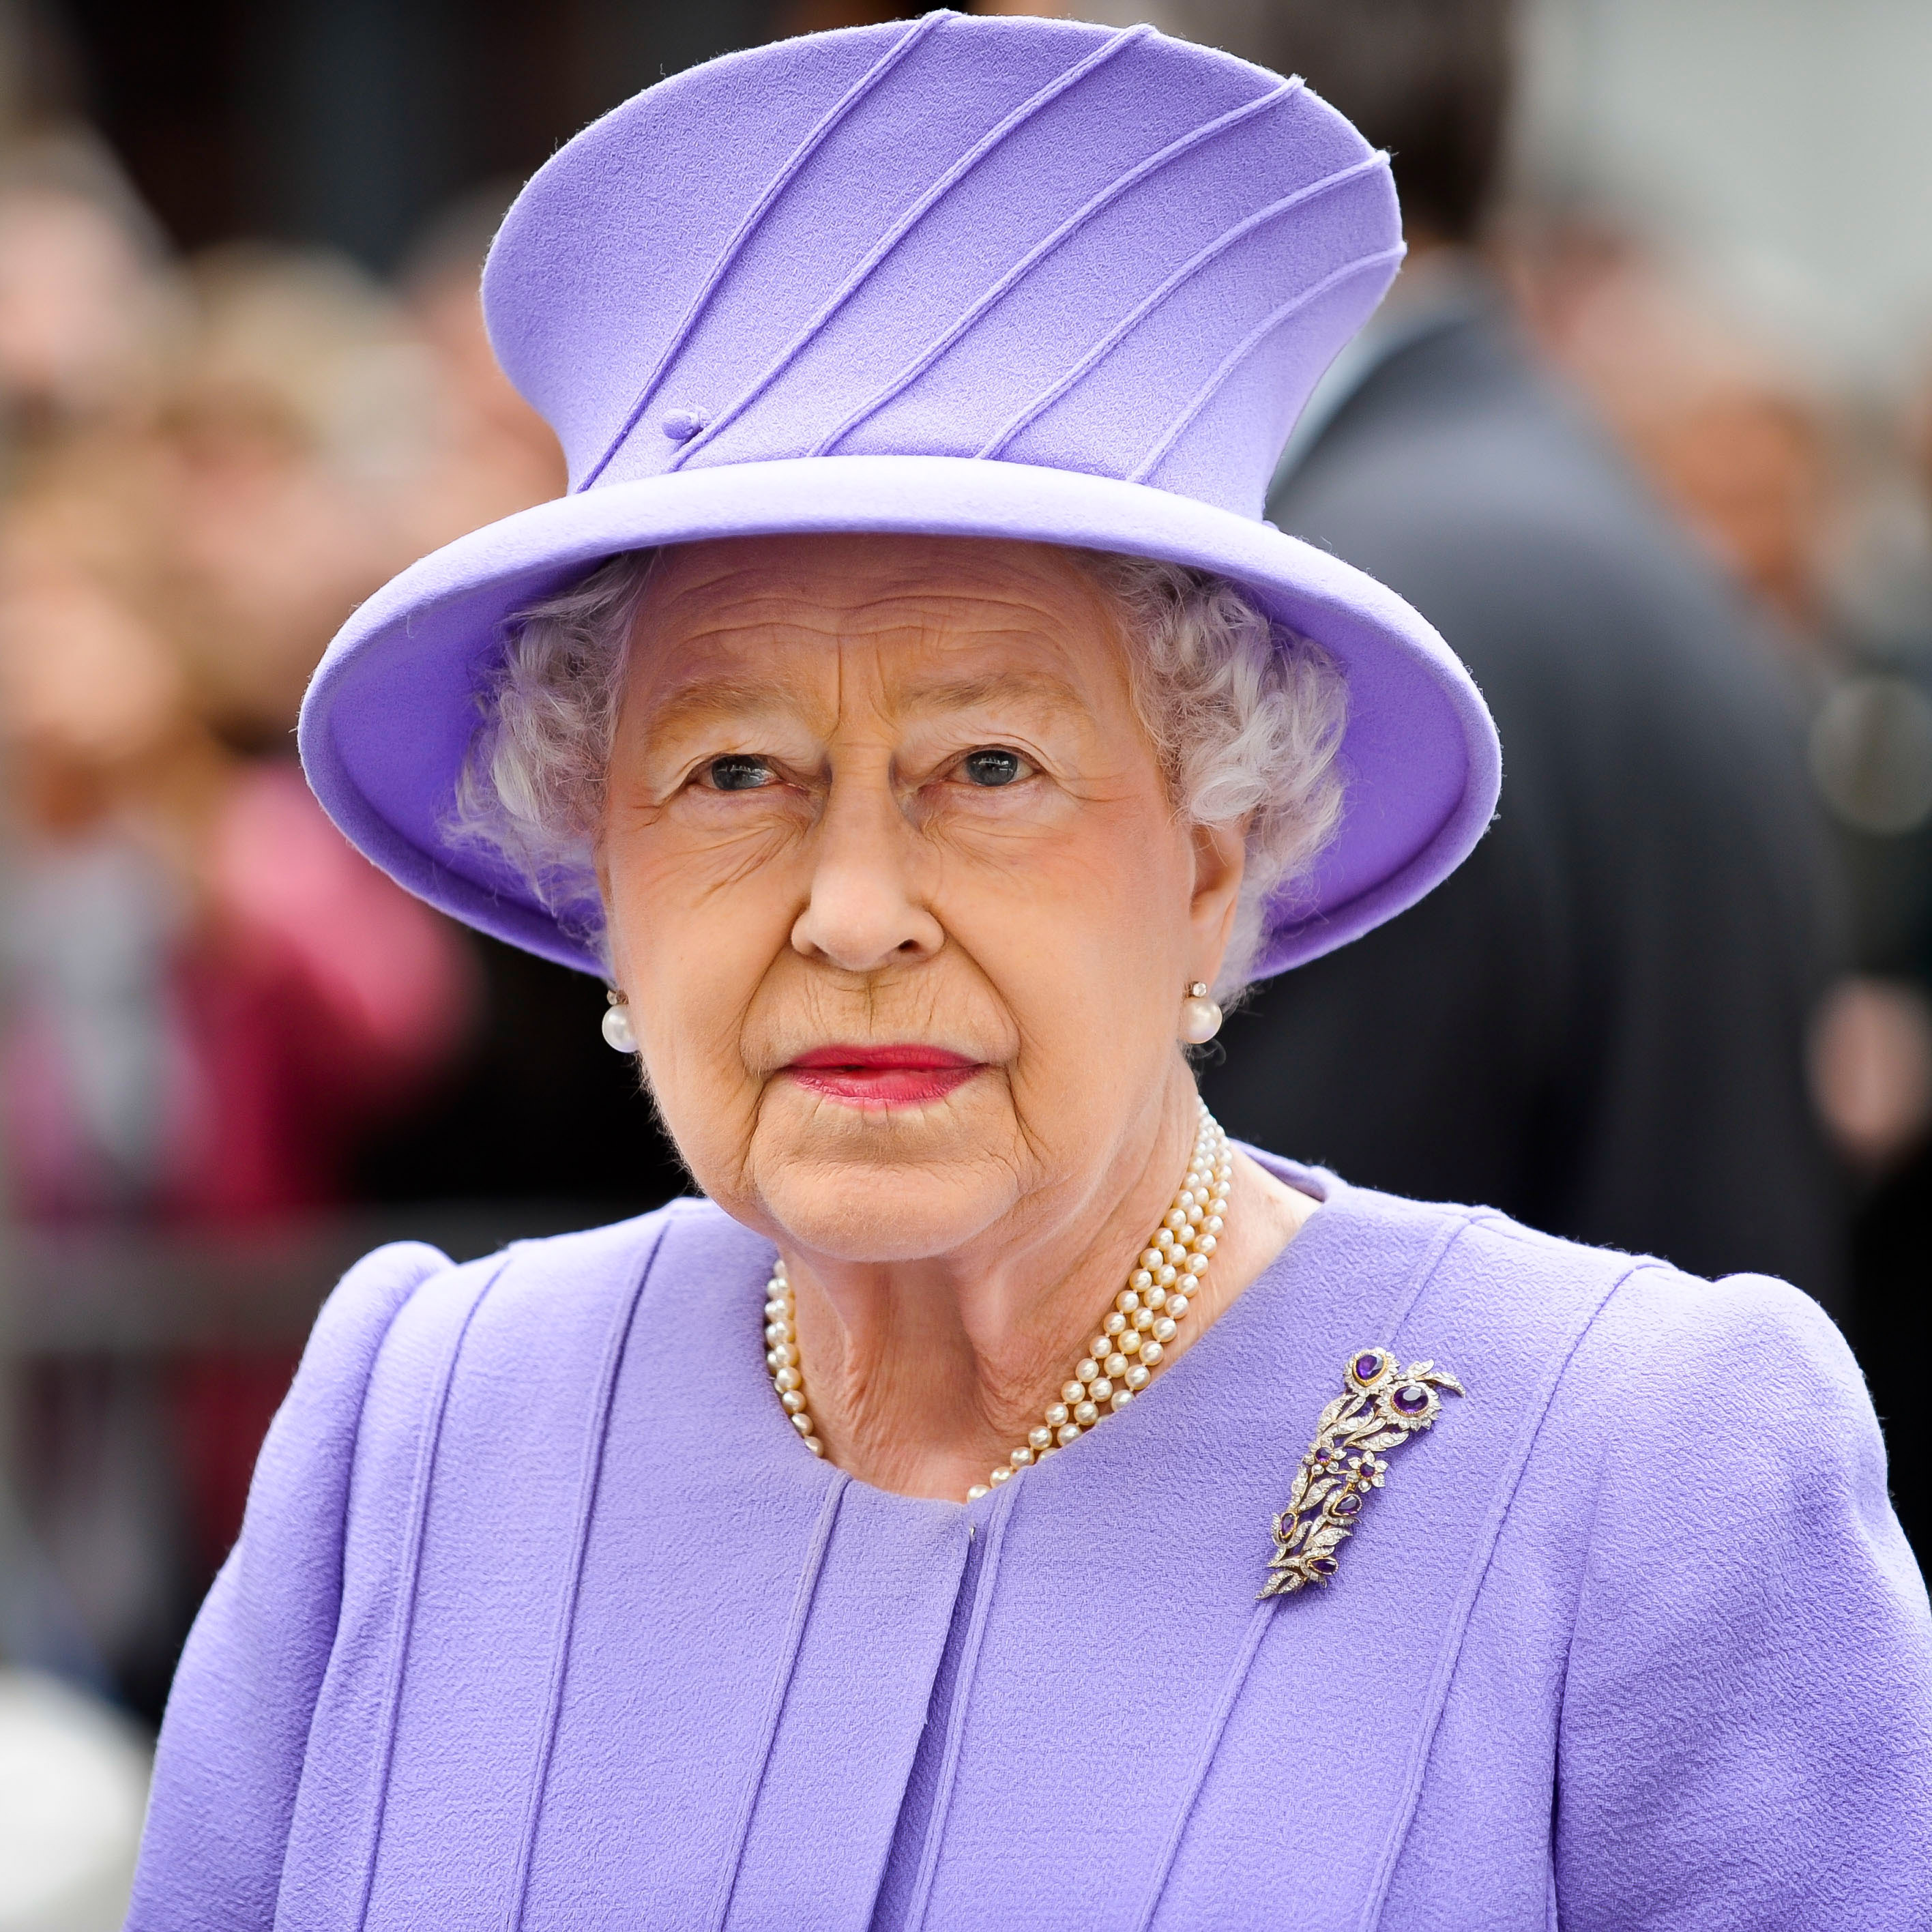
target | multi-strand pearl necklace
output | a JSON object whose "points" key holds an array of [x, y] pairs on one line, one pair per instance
{"points": [[1121, 1359]]}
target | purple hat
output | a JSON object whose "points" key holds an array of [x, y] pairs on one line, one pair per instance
{"points": [[998, 277]]}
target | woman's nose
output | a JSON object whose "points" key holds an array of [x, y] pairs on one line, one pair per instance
{"points": [[865, 910]]}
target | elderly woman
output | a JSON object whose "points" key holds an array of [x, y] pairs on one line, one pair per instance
{"points": [[999, 1501]]}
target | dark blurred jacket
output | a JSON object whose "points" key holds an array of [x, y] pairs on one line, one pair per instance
{"points": [[1598, 1024]]}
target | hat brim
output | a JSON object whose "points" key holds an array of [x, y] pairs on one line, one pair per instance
{"points": [[390, 714]]}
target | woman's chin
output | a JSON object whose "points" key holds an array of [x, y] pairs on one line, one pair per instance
{"points": [[866, 1185]]}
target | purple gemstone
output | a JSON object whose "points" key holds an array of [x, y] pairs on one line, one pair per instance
{"points": [[1323, 1563], [1368, 1366], [1412, 1400], [1347, 1505]]}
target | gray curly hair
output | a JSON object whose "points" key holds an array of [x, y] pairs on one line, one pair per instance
{"points": [[1245, 717]]}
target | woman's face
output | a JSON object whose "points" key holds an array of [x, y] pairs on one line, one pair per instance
{"points": [[902, 907]]}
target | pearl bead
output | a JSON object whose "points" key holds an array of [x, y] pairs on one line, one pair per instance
{"points": [[1056, 1415], [1163, 1331], [1168, 1276], [1200, 1021], [1072, 1392], [792, 1401], [1143, 1319], [978, 1490], [1206, 1245], [1101, 1347], [817, 1447], [1129, 1344], [1086, 1369], [1138, 1377], [1000, 1475], [1069, 1431], [1212, 1225], [1038, 1439], [1141, 1281], [1126, 1301], [1151, 1353], [802, 1422], [1021, 1457], [1119, 1400], [1116, 1365], [776, 1332], [618, 1034], [1195, 1265], [1086, 1414], [1098, 1389], [1151, 1258], [1195, 1216], [1155, 1297], [787, 1378], [1176, 1306], [1115, 1323]]}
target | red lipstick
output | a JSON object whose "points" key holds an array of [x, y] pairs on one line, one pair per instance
{"points": [[882, 1076]]}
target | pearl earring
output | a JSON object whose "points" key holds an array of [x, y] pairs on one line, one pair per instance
{"points": [[618, 1034], [1200, 1017]]}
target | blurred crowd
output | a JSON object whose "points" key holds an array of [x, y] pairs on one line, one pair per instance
{"points": [[215, 1017]]}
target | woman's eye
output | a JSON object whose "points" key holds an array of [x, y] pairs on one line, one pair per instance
{"points": [[993, 767], [738, 773]]}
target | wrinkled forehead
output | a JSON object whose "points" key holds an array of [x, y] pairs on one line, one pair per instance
{"points": [[909, 622]]}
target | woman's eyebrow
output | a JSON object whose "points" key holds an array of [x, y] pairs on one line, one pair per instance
{"points": [[699, 700], [970, 694], [703, 699]]}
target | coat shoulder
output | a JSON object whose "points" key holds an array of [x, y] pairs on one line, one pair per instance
{"points": [[530, 1286], [1663, 1324]]}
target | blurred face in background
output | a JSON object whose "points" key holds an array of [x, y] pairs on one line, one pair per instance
{"points": [[1729, 432], [96, 708], [321, 438], [81, 310], [496, 455], [292, 432]]}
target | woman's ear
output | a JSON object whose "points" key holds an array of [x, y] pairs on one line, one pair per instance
{"points": [[1220, 864]]}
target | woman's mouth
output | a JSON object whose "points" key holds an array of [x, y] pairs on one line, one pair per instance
{"points": [[882, 1076]]}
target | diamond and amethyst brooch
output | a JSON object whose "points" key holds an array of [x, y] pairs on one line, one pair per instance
{"points": [[1380, 1406]]}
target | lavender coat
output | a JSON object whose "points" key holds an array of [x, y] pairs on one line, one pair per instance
{"points": [[543, 1617]]}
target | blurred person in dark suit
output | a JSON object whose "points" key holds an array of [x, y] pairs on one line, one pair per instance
{"points": [[1600, 1024], [1798, 494]]}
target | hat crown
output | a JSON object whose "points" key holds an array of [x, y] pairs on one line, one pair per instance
{"points": [[1037, 241]]}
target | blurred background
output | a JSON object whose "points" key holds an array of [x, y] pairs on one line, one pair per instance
{"points": [[243, 380]]}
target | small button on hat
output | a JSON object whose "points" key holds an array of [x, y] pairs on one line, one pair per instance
{"points": [[997, 278]]}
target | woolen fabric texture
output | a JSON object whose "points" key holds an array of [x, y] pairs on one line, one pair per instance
{"points": [[543, 1617], [993, 278], [1599, 1024]]}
